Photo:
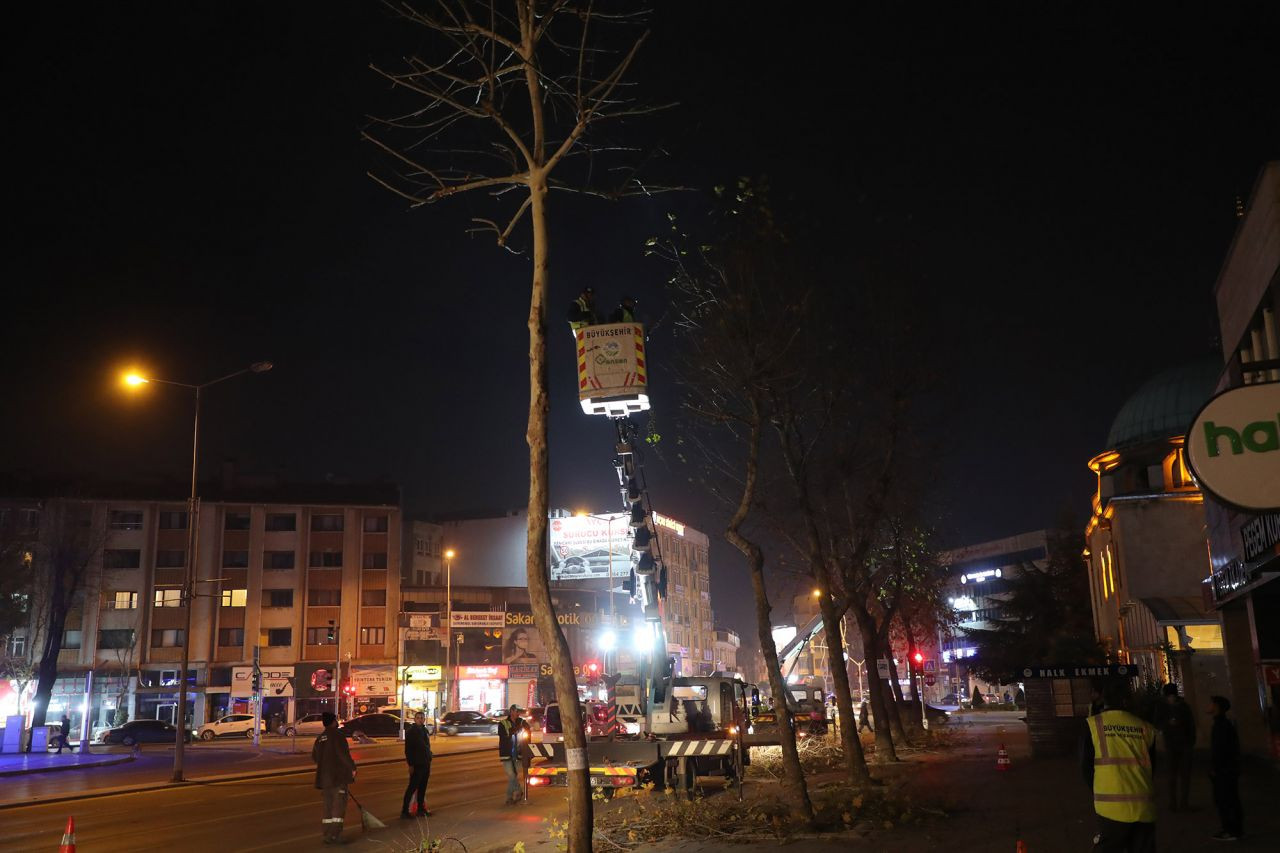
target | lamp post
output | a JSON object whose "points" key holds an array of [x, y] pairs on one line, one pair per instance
{"points": [[448, 631], [137, 380]]}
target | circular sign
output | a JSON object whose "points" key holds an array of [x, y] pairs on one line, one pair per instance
{"points": [[321, 681], [1233, 447], [929, 679]]}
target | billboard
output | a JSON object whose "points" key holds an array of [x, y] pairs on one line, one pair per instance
{"points": [[477, 618], [521, 641], [276, 681], [374, 680], [584, 546]]}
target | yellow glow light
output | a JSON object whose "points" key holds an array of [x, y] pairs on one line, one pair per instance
{"points": [[134, 379], [817, 593], [448, 555]]}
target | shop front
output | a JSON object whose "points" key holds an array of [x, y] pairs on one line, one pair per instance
{"points": [[375, 687], [482, 688], [421, 687], [313, 689]]}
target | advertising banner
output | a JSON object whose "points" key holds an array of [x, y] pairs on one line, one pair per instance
{"points": [[521, 641], [523, 670], [584, 547], [313, 680], [477, 619], [374, 680], [276, 681], [487, 673]]}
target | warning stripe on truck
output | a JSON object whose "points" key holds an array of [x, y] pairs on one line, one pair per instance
{"points": [[675, 749]]}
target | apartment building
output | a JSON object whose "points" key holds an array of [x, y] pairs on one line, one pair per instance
{"points": [[688, 618], [308, 574]]}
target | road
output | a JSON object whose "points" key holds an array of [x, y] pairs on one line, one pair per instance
{"points": [[283, 813]]}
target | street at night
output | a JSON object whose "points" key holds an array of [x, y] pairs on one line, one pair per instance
{"points": [[697, 427]]}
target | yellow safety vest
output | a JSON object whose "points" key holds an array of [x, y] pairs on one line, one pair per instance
{"points": [[575, 325], [1122, 786]]}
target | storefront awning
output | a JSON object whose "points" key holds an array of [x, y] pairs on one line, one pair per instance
{"points": [[1178, 608]]}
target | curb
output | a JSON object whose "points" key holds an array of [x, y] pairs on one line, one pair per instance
{"points": [[124, 759], [208, 780]]}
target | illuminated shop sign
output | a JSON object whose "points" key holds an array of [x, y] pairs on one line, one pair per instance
{"points": [[497, 672], [669, 523], [1233, 447], [978, 577]]}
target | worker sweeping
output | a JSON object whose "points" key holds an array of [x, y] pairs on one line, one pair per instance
{"points": [[1118, 766], [335, 770]]}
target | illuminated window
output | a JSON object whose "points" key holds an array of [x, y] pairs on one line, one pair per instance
{"points": [[121, 601], [1203, 637], [168, 598], [234, 597]]}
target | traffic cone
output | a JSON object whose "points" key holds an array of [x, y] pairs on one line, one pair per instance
{"points": [[1002, 758], [69, 837], [1022, 847]]}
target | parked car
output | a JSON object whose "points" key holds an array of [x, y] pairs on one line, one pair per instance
{"points": [[231, 724], [468, 723], [372, 725], [311, 724], [429, 723], [535, 717], [142, 731]]}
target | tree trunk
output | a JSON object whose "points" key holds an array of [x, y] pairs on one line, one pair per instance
{"points": [[580, 813], [895, 693], [911, 645], [47, 670], [793, 784], [879, 701], [855, 758]]}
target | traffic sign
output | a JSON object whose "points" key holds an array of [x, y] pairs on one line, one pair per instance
{"points": [[930, 679], [882, 668], [931, 665]]}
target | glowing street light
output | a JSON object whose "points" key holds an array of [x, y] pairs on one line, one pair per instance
{"points": [[134, 379], [607, 641]]}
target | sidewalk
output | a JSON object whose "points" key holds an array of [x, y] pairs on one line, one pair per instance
{"points": [[22, 763]]}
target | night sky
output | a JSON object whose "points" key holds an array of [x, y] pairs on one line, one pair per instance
{"points": [[186, 191]]}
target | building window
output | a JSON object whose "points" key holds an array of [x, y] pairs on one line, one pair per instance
{"points": [[121, 558], [282, 521], [235, 559], [373, 636], [167, 637], [125, 519], [173, 521], [375, 561], [277, 598], [171, 559], [236, 521], [318, 637], [326, 522], [231, 636], [324, 597], [234, 597], [121, 601], [168, 598], [374, 598], [326, 559], [375, 524], [115, 638], [279, 636], [279, 560], [16, 647], [72, 639]]}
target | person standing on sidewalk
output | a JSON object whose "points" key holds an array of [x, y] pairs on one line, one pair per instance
{"points": [[512, 729], [864, 718], [1178, 725], [417, 752], [335, 770], [1224, 770], [64, 733], [1118, 766]]}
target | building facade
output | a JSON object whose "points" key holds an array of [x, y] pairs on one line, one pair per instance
{"points": [[1145, 541], [688, 619], [1244, 547], [307, 576], [726, 650]]}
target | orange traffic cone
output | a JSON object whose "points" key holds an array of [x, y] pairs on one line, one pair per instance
{"points": [[69, 837], [1002, 758]]}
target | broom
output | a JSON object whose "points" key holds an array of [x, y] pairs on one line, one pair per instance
{"points": [[367, 820]]}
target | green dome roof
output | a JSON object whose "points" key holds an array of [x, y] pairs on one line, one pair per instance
{"points": [[1165, 405]]}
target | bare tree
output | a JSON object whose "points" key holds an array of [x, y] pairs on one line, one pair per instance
{"points": [[65, 557], [735, 329], [509, 99]]}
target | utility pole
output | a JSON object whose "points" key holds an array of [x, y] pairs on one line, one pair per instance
{"points": [[257, 693], [335, 634]]}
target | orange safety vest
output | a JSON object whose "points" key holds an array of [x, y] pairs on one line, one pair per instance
{"points": [[1122, 786]]}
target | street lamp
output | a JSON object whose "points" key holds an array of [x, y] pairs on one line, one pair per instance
{"points": [[448, 644], [135, 379]]}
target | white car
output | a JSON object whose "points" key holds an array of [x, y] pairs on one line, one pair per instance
{"points": [[232, 724], [311, 724]]}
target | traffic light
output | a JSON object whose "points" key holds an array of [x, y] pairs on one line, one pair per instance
{"points": [[592, 669], [257, 680], [349, 689], [918, 657], [332, 630]]}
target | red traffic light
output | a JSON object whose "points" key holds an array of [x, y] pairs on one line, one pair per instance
{"points": [[919, 657], [349, 689], [593, 667]]}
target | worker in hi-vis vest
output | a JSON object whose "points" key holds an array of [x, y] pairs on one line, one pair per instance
{"points": [[1118, 763], [582, 311]]}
